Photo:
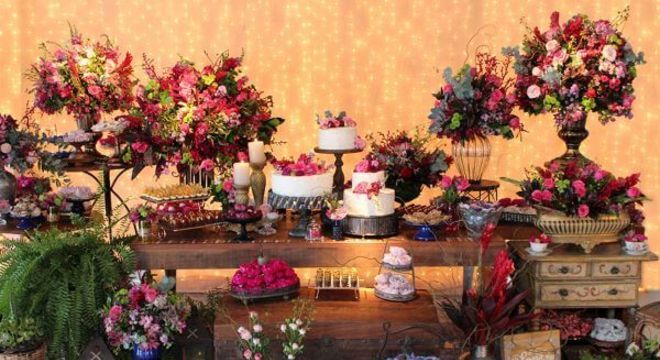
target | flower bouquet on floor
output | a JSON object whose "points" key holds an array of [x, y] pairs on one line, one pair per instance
{"points": [[475, 103], [144, 319], [575, 68], [582, 204], [410, 164]]}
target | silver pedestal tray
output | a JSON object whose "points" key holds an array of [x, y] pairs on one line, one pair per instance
{"points": [[379, 226], [304, 205]]}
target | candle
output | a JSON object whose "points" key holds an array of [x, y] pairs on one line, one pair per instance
{"points": [[256, 152], [241, 174]]}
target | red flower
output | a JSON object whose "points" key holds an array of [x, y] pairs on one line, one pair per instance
{"points": [[406, 172], [140, 147]]}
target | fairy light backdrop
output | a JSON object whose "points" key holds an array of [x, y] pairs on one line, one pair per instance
{"points": [[378, 60]]}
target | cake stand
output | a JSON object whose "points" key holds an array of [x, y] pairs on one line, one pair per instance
{"points": [[242, 235], [338, 179], [304, 205], [377, 226]]}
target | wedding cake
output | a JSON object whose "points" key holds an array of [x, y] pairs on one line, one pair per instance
{"points": [[368, 196], [337, 132], [302, 178]]}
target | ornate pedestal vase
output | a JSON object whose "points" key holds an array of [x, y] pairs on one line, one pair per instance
{"points": [[7, 186], [573, 135], [472, 157]]}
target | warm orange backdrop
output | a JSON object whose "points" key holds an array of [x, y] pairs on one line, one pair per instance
{"points": [[379, 60]]}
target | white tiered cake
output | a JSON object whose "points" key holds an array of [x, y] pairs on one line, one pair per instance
{"points": [[302, 186], [341, 138], [360, 205]]}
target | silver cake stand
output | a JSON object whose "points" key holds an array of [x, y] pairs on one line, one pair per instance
{"points": [[304, 205], [378, 226]]}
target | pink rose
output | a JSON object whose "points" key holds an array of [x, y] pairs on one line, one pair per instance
{"points": [[633, 192], [257, 356], [207, 165], [360, 143], [242, 156], [228, 186], [95, 91], [150, 293], [599, 174], [140, 147], [583, 210], [514, 123], [247, 354], [579, 187], [462, 183], [549, 183], [541, 195], [447, 89], [115, 312], [446, 182], [533, 91]]}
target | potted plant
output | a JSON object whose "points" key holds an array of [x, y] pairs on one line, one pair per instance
{"points": [[575, 68], [635, 242], [475, 103], [581, 203], [539, 243], [64, 279], [21, 339], [144, 318], [411, 162], [144, 216]]}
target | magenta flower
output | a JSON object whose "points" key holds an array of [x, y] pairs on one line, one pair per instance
{"points": [[633, 192], [580, 188], [583, 210]]}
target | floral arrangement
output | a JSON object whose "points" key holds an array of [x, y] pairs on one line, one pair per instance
{"points": [[223, 192], [370, 164], [452, 188], [27, 185], [254, 344], [259, 275], [477, 101], [18, 143], [200, 119], [51, 200], [409, 162], [304, 166], [541, 238], [370, 189], [295, 328], [582, 190], [143, 212], [577, 67], [336, 210], [146, 316], [330, 121], [85, 77], [649, 351], [634, 236], [242, 212]]}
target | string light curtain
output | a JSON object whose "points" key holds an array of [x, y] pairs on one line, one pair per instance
{"points": [[378, 60]]}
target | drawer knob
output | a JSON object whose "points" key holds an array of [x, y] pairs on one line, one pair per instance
{"points": [[614, 270], [563, 292], [564, 269], [613, 292]]}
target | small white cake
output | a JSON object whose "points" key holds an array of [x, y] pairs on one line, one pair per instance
{"points": [[340, 138], [368, 177], [302, 186], [360, 204]]}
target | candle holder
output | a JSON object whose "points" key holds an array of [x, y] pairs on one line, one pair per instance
{"points": [[242, 196], [338, 178], [258, 183]]}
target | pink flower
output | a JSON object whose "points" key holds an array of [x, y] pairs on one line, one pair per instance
{"points": [[115, 312], [541, 195], [446, 182], [583, 210], [462, 183], [228, 186], [360, 143], [140, 147], [447, 88], [150, 293], [549, 183], [362, 166], [242, 156], [533, 91], [633, 192], [579, 187], [257, 356], [514, 123], [599, 174], [207, 165], [247, 354], [95, 91]]}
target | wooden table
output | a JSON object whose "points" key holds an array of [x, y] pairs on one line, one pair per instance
{"points": [[344, 328]]}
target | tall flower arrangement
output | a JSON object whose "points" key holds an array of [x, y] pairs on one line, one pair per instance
{"points": [[577, 67], [477, 101], [19, 143], [204, 116], [410, 162], [85, 77]]}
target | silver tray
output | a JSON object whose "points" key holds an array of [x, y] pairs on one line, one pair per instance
{"points": [[380, 226], [284, 293]]}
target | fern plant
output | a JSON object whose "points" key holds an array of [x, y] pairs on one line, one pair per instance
{"points": [[63, 278]]}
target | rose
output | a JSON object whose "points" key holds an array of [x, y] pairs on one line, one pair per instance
{"points": [[360, 143], [579, 187], [5, 148], [552, 45], [462, 183], [514, 123], [446, 181], [140, 147], [257, 328], [633, 192], [533, 91], [247, 354], [548, 183], [536, 71], [95, 91], [609, 52], [207, 165], [242, 156], [583, 210], [541, 195]]}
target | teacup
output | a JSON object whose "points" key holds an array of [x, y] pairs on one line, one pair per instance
{"points": [[636, 246], [538, 247]]}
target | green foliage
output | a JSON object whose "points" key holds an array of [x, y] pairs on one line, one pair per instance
{"points": [[63, 278], [649, 350], [20, 334]]}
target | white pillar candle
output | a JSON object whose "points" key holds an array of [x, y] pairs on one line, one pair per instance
{"points": [[241, 174], [256, 152]]}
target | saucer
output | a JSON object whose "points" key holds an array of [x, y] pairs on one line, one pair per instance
{"points": [[635, 253], [542, 253]]}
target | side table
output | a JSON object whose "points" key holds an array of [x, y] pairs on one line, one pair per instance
{"points": [[484, 190]]}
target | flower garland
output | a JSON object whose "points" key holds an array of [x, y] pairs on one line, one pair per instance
{"points": [[85, 77], [477, 101], [575, 68]]}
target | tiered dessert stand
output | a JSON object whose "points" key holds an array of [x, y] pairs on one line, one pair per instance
{"points": [[406, 270]]}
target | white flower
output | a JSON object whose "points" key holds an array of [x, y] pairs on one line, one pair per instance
{"points": [[283, 328], [290, 357], [253, 315], [533, 91], [536, 71], [257, 328], [609, 52], [256, 341], [295, 346], [632, 349], [552, 45], [244, 333], [5, 148], [293, 326], [302, 332], [299, 322]]}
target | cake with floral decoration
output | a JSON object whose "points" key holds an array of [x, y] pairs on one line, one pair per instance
{"points": [[304, 177], [338, 132], [262, 275], [368, 196]]}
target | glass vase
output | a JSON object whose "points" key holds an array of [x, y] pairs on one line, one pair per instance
{"points": [[142, 354], [480, 352], [471, 157], [144, 229], [337, 230]]}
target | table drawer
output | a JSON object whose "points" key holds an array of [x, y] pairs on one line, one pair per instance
{"points": [[588, 292], [609, 269], [562, 270]]}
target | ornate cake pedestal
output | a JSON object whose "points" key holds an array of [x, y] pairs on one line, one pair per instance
{"points": [[338, 179], [304, 205]]}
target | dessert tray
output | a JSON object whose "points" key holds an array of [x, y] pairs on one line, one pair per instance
{"points": [[180, 192], [334, 279]]}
